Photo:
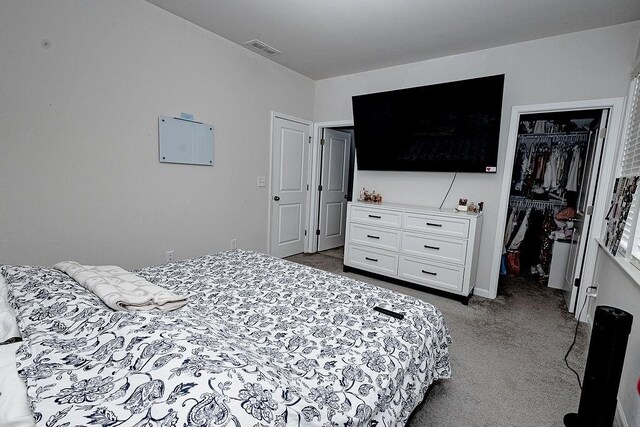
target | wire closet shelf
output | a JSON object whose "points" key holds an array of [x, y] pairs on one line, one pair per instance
{"points": [[519, 203], [555, 138]]}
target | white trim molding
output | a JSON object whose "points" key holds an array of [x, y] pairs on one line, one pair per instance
{"points": [[484, 293], [620, 420]]}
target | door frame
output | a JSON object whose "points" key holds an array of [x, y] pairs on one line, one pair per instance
{"points": [[605, 181], [305, 122], [314, 196]]}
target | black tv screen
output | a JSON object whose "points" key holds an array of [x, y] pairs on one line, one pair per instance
{"points": [[447, 127]]}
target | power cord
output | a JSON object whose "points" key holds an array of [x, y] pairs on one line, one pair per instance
{"points": [[451, 185], [575, 337]]}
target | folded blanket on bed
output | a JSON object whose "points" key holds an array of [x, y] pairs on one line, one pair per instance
{"points": [[121, 289]]}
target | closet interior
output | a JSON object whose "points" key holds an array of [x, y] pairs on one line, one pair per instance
{"points": [[551, 176]]}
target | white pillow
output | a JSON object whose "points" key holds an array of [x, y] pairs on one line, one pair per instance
{"points": [[14, 406], [8, 323]]}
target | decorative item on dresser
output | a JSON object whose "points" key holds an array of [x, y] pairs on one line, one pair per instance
{"points": [[437, 249]]}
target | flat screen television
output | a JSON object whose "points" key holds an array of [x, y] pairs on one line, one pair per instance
{"points": [[447, 127]]}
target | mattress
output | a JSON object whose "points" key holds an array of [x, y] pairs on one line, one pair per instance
{"points": [[262, 341]]}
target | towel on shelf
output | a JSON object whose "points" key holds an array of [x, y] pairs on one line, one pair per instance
{"points": [[121, 289]]}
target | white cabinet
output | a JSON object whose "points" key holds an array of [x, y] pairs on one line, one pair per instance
{"points": [[424, 246], [559, 261]]}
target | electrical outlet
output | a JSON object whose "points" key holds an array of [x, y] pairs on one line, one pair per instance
{"points": [[170, 256], [234, 243], [262, 181]]}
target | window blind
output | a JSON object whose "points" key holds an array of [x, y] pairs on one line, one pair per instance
{"points": [[631, 152], [631, 166]]}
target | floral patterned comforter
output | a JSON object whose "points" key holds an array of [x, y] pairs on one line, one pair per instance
{"points": [[262, 341]]}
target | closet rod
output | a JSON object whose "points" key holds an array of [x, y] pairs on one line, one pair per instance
{"points": [[563, 137], [577, 133], [538, 204]]}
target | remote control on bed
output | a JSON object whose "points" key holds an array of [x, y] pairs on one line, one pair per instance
{"points": [[389, 312]]}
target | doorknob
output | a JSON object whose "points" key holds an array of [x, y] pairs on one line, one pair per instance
{"points": [[276, 198], [346, 197]]}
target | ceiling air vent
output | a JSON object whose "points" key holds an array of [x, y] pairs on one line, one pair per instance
{"points": [[262, 48]]}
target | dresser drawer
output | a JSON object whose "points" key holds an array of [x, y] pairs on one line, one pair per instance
{"points": [[375, 216], [379, 237], [372, 259], [454, 227], [437, 248], [446, 277]]}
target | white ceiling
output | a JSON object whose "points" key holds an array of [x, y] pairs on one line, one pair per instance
{"points": [[328, 38]]}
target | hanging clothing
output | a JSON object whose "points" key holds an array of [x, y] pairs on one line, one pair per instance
{"points": [[511, 225], [544, 170], [532, 242], [563, 174], [518, 171], [572, 177], [548, 226], [530, 247], [540, 126], [550, 180], [525, 168], [519, 237], [540, 164]]}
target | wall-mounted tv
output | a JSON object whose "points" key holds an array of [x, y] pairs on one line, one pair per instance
{"points": [[447, 127]]}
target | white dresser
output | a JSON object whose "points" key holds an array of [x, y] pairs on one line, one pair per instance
{"points": [[420, 245]]}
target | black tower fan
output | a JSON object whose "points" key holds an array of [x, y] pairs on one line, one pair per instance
{"points": [[611, 328]]}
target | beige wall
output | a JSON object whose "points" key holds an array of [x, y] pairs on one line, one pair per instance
{"points": [[579, 66], [79, 171]]}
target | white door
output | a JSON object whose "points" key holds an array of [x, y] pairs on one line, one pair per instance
{"points": [[334, 182], [584, 208], [289, 160]]}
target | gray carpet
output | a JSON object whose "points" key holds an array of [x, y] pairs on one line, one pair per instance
{"points": [[507, 355]]}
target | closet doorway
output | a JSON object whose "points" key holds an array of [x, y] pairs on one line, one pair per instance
{"points": [[556, 169]]}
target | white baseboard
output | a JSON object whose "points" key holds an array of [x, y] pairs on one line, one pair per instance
{"points": [[620, 420], [481, 292]]}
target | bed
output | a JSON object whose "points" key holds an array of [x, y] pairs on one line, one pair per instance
{"points": [[262, 341]]}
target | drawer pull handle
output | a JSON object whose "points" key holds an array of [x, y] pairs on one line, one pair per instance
{"points": [[432, 247], [434, 225], [429, 272], [375, 216], [370, 259], [372, 237]]}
